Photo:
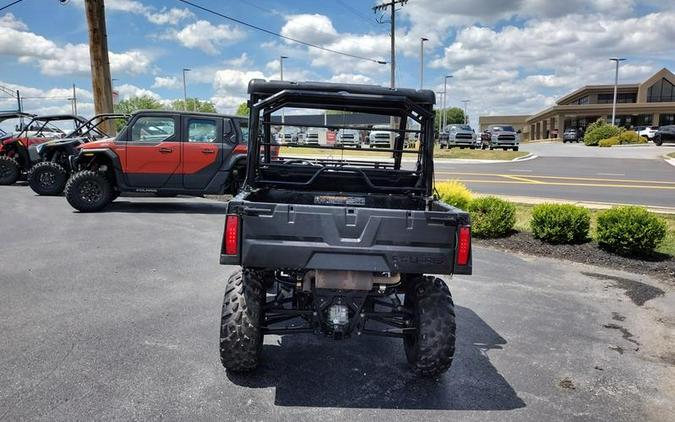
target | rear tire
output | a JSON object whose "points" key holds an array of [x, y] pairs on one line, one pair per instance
{"points": [[241, 336], [47, 178], [9, 170], [88, 191], [657, 140], [430, 349]]}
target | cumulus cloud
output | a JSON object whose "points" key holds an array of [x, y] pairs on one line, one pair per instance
{"points": [[317, 29], [205, 36], [170, 82], [126, 91], [53, 59], [10, 21], [171, 16], [351, 78]]}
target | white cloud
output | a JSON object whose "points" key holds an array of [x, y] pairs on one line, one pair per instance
{"points": [[170, 82], [205, 36], [351, 78], [317, 29], [54, 59], [171, 16], [126, 91], [10, 21]]}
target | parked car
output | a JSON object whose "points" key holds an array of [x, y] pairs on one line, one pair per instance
{"points": [[341, 247], [316, 136], [165, 153], [500, 136], [348, 138], [647, 131], [458, 135], [665, 134], [18, 152], [50, 174], [381, 138], [571, 135]]}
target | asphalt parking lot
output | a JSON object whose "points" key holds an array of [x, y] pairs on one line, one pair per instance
{"points": [[115, 316]]}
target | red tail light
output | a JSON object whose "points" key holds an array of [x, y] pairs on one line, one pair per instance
{"points": [[463, 245], [231, 238]]}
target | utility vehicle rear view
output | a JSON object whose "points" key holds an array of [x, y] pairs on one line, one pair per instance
{"points": [[341, 247]]}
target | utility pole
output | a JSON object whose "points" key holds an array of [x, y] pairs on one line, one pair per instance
{"points": [[422, 61], [392, 62], [98, 57], [616, 85], [74, 100], [283, 113]]}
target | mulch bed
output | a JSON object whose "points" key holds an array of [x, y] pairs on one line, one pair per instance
{"points": [[660, 266]]}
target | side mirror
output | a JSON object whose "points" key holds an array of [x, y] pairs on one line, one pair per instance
{"points": [[519, 131]]}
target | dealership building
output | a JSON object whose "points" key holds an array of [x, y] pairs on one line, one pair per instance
{"points": [[650, 103]]}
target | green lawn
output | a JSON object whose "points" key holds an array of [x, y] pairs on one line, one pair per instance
{"points": [[471, 154], [524, 214], [671, 155]]}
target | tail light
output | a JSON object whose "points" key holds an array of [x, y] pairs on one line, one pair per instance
{"points": [[463, 245], [231, 237]]}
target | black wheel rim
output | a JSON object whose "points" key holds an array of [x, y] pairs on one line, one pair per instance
{"points": [[91, 191], [47, 179]]}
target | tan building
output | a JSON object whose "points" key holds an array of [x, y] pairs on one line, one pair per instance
{"points": [[650, 103]]}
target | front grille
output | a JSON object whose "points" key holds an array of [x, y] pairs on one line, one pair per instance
{"points": [[463, 136], [506, 137], [382, 136]]}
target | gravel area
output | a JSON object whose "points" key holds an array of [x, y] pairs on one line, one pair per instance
{"points": [[660, 266]]}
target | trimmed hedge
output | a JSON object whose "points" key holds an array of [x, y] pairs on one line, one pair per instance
{"points": [[598, 131], [560, 223], [631, 137], [454, 193], [609, 142], [630, 231], [491, 217]]}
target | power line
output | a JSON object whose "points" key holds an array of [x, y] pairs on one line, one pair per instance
{"points": [[267, 31], [9, 5], [356, 13]]}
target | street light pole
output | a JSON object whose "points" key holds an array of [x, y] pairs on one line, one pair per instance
{"points": [[465, 116], [422, 61], [445, 96], [616, 85], [185, 89]]}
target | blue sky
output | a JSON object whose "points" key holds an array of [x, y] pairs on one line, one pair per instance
{"points": [[509, 56]]}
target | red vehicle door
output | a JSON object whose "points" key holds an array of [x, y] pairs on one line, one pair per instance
{"points": [[152, 154], [207, 142]]}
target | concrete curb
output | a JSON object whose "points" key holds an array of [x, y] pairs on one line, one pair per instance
{"points": [[669, 160], [530, 200]]}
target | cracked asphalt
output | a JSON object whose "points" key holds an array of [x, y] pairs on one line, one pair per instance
{"points": [[115, 316]]}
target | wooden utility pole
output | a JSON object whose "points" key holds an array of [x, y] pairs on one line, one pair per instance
{"points": [[392, 61], [98, 55]]}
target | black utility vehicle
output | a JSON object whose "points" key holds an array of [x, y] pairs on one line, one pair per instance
{"points": [[50, 174], [337, 246]]}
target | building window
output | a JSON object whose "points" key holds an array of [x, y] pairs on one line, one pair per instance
{"points": [[666, 119], [582, 100], [623, 97], [661, 92]]}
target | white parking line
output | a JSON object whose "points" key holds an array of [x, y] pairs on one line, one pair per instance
{"points": [[520, 170], [610, 174]]}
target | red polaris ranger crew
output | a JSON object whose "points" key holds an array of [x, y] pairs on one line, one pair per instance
{"points": [[162, 152]]}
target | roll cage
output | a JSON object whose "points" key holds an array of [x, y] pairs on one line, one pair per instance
{"points": [[268, 97]]}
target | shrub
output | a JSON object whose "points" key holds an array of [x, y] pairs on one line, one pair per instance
{"points": [[598, 131], [491, 217], [560, 223], [630, 231], [631, 137], [614, 140], [454, 193]]}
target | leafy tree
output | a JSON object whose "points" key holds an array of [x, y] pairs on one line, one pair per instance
{"points": [[452, 115], [242, 110], [193, 104], [133, 104]]}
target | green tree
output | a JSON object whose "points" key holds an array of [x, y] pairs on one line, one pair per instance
{"points": [[144, 102], [452, 115], [193, 104], [242, 110]]}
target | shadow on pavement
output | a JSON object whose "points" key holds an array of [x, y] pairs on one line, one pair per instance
{"points": [[167, 206], [371, 372]]}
